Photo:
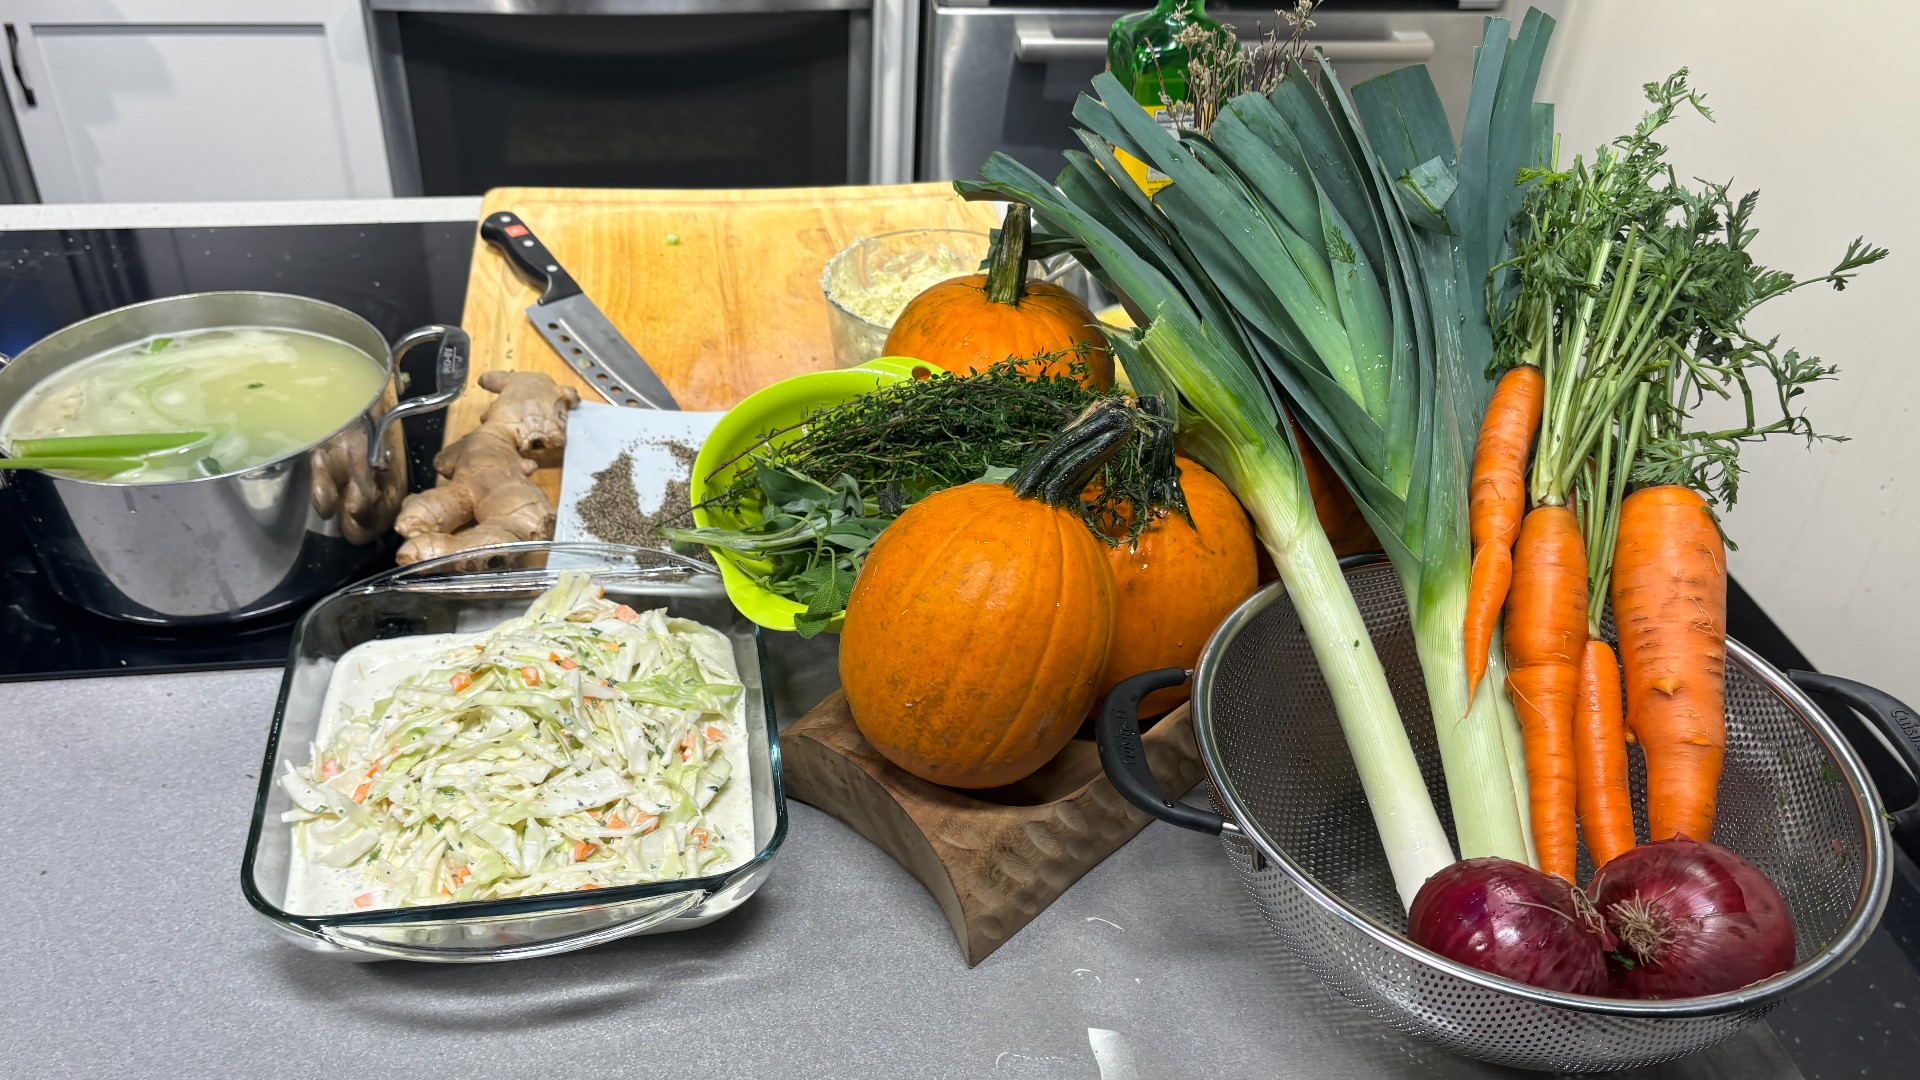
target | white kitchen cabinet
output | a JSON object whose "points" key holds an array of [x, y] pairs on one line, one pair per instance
{"points": [[193, 100]]}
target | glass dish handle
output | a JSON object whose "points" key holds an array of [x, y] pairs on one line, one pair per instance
{"points": [[673, 907]]}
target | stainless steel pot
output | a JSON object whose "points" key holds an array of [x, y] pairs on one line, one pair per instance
{"points": [[227, 547]]}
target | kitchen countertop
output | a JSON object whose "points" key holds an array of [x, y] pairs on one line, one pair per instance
{"points": [[208, 215], [131, 953]]}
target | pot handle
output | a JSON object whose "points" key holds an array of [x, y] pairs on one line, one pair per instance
{"points": [[1116, 730], [1893, 718], [450, 381]]}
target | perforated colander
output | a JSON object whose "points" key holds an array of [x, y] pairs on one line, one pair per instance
{"points": [[1794, 800]]}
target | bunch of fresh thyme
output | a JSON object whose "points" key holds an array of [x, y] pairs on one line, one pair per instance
{"points": [[817, 494]]}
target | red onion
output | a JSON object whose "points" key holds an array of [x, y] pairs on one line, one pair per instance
{"points": [[1691, 919], [1508, 919]]}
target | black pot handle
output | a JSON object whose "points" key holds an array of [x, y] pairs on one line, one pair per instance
{"points": [[1116, 729], [1886, 713]]}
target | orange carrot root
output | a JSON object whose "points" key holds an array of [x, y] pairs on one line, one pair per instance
{"points": [[1670, 603], [1497, 496], [1492, 577], [1546, 634], [1600, 757]]}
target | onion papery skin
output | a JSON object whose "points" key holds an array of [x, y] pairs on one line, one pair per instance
{"points": [[1693, 919], [1508, 919]]}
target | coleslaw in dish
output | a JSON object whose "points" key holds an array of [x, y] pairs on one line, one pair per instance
{"points": [[579, 746]]}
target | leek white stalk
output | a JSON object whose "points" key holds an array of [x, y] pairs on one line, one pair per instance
{"points": [[1510, 736], [1254, 457]]}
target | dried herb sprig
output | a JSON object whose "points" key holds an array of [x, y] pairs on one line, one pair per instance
{"points": [[1219, 68]]}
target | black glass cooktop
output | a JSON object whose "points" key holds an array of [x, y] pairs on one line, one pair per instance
{"points": [[396, 276]]}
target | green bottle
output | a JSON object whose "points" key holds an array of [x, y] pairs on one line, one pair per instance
{"points": [[1143, 55]]}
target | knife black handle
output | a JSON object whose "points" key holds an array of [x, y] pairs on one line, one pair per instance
{"points": [[527, 254]]}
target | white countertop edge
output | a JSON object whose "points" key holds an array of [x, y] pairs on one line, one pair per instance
{"points": [[207, 215]]}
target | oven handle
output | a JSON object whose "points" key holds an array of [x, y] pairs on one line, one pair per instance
{"points": [[615, 7], [1039, 45]]}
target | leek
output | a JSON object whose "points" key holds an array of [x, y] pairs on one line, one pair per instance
{"points": [[1298, 261], [1230, 419]]}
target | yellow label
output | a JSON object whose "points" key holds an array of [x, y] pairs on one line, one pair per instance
{"points": [[1150, 179]]}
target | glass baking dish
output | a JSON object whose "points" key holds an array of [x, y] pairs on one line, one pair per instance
{"points": [[452, 595]]}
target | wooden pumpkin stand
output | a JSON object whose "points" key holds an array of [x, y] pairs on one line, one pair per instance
{"points": [[994, 859]]}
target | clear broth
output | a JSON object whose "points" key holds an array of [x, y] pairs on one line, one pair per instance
{"points": [[260, 393]]}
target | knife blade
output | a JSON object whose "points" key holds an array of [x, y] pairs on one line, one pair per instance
{"points": [[570, 321]]}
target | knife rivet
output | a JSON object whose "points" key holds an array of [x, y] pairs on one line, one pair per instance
{"points": [[526, 243]]}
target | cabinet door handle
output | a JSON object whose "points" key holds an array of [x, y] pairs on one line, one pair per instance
{"points": [[13, 54]]}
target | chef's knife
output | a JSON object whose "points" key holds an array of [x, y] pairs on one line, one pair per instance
{"points": [[570, 322]]}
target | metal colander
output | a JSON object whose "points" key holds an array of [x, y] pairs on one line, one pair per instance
{"points": [[1794, 800]]}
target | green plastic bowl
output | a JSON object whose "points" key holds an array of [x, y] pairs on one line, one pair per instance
{"points": [[723, 455]]}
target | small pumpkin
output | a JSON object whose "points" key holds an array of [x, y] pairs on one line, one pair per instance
{"points": [[980, 624], [1333, 504], [970, 323], [1177, 582]]}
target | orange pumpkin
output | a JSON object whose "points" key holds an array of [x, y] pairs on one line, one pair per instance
{"points": [[969, 323], [1333, 504], [1177, 582], [980, 623]]}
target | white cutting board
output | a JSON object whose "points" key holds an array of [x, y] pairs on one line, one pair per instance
{"points": [[598, 433]]}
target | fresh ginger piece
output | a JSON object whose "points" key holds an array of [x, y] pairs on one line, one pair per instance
{"points": [[485, 495]]}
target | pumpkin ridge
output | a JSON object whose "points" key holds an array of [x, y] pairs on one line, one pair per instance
{"points": [[1026, 726]]}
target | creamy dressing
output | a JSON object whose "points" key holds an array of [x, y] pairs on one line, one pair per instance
{"points": [[370, 671]]}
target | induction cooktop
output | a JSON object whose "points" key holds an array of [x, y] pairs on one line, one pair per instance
{"points": [[396, 276]]}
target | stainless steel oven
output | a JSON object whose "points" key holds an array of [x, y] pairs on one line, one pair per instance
{"points": [[633, 93], [1004, 74]]}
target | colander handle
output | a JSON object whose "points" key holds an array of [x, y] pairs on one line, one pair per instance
{"points": [[1116, 730], [1891, 717]]}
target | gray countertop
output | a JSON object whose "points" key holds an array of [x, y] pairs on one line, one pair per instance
{"points": [[130, 952]]}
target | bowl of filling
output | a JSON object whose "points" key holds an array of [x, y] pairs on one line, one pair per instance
{"points": [[869, 282], [569, 749]]}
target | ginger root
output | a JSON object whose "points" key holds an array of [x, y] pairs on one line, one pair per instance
{"points": [[484, 495], [347, 486]]}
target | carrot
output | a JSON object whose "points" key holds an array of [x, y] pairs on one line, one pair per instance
{"points": [[1670, 603], [581, 851], [1546, 633], [1600, 757], [1496, 498], [461, 680], [1486, 591]]}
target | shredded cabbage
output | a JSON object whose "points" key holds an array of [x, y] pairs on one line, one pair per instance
{"points": [[575, 747]]}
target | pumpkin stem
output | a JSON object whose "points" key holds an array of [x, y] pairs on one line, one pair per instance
{"points": [[1060, 471], [1007, 263]]}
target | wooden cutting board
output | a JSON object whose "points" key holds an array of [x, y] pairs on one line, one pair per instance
{"points": [[719, 290]]}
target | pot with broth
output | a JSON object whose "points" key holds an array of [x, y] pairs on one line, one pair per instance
{"points": [[253, 394], [262, 464]]}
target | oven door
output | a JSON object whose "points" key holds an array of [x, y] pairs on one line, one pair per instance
{"points": [[626, 93], [1004, 76]]}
